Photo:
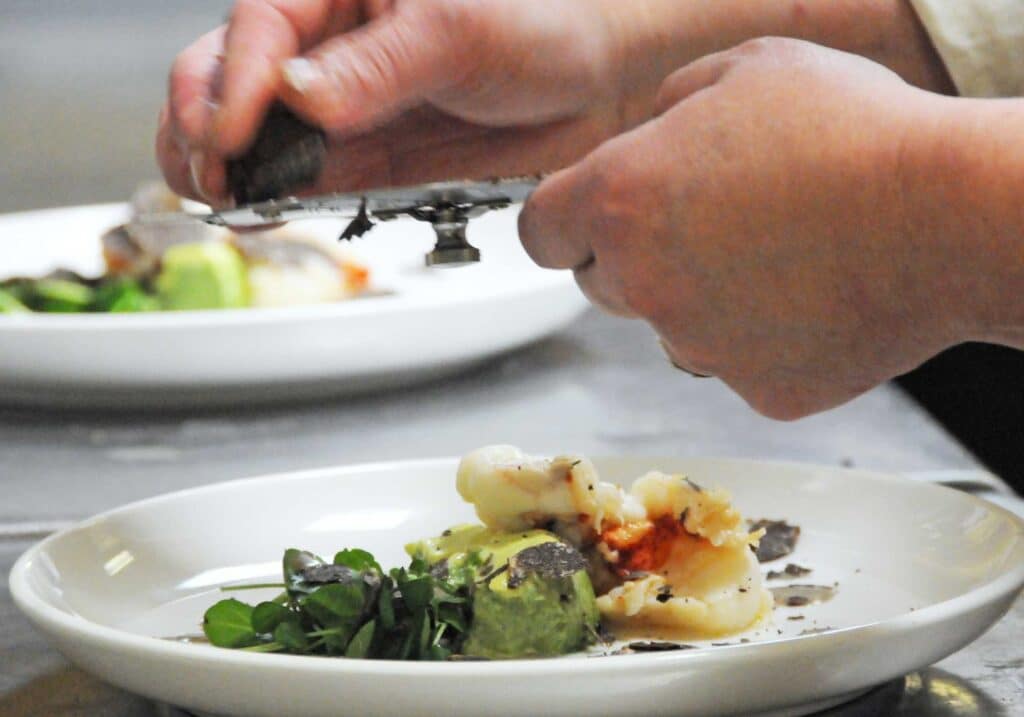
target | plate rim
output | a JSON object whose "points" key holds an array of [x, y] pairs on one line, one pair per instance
{"points": [[40, 612]]}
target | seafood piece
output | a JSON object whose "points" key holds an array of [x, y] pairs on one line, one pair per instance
{"points": [[699, 572], [134, 249], [289, 271], [668, 554], [513, 491]]}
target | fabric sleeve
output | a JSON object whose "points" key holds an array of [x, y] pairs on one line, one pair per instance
{"points": [[980, 41]]}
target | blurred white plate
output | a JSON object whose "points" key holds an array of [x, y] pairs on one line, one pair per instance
{"points": [[922, 571], [419, 323]]}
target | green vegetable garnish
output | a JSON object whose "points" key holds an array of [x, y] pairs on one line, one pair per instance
{"points": [[10, 304], [63, 296], [229, 624], [471, 592], [67, 293], [351, 608], [123, 296]]}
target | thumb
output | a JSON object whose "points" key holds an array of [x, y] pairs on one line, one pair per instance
{"points": [[365, 77]]}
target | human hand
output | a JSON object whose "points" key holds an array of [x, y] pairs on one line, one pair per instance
{"points": [[408, 90], [762, 224]]}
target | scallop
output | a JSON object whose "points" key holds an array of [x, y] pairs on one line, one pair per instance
{"points": [[678, 555]]}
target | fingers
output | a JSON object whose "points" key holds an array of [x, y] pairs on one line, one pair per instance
{"points": [[185, 119], [192, 87], [364, 77], [550, 222], [261, 35], [172, 157]]}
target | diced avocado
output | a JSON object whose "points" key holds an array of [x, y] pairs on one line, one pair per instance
{"points": [[9, 303], [539, 602], [204, 275]]}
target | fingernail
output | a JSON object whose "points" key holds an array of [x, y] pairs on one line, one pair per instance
{"points": [[195, 168], [300, 74]]}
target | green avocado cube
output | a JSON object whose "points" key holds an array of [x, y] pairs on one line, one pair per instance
{"points": [[204, 275], [520, 612]]}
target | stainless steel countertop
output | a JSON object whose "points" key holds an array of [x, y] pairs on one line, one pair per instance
{"points": [[80, 85]]}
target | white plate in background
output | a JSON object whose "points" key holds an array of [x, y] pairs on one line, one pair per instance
{"points": [[418, 323], [922, 571]]}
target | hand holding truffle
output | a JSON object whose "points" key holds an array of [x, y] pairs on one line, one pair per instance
{"points": [[407, 91]]}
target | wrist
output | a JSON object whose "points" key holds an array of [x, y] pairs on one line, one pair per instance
{"points": [[963, 177]]}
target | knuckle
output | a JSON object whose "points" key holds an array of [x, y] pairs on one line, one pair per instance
{"points": [[757, 47]]}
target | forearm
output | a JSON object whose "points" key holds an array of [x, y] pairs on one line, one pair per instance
{"points": [[659, 36], [964, 184]]}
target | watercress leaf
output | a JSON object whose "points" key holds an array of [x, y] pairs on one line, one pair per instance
{"points": [[385, 606], [229, 624], [424, 636], [291, 636], [268, 615], [417, 593], [453, 616], [336, 643], [360, 645], [336, 604], [358, 560], [439, 653], [418, 567]]}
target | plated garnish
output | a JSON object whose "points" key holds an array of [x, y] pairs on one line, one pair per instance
{"points": [[152, 267], [561, 559]]}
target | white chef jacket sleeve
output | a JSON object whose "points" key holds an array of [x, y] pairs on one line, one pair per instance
{"points": [[981, 43]]}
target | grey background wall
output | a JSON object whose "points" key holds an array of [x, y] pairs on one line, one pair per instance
{"points": [[81, 84]]}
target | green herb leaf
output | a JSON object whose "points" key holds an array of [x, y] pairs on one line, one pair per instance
{"points": [[417, 593], [358, 560], [424, 637], [290, 635], [268, 615], [229, 624], [454, 616], [336, 604], [385, 606], [360, 645]]}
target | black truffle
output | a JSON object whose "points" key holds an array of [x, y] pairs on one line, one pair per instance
{"points": [[288, 154]]}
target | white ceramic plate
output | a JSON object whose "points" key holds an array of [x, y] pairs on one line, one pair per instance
{"points": [[419, 322], [921, 570]]}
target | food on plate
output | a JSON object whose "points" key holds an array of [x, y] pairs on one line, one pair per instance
{"points": [[561, 559], [537, 600], [190, 266], [204, 275], [667, 555], [778, 541]]}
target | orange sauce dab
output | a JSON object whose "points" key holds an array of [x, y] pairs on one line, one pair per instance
{"points": [[646, 545]]}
